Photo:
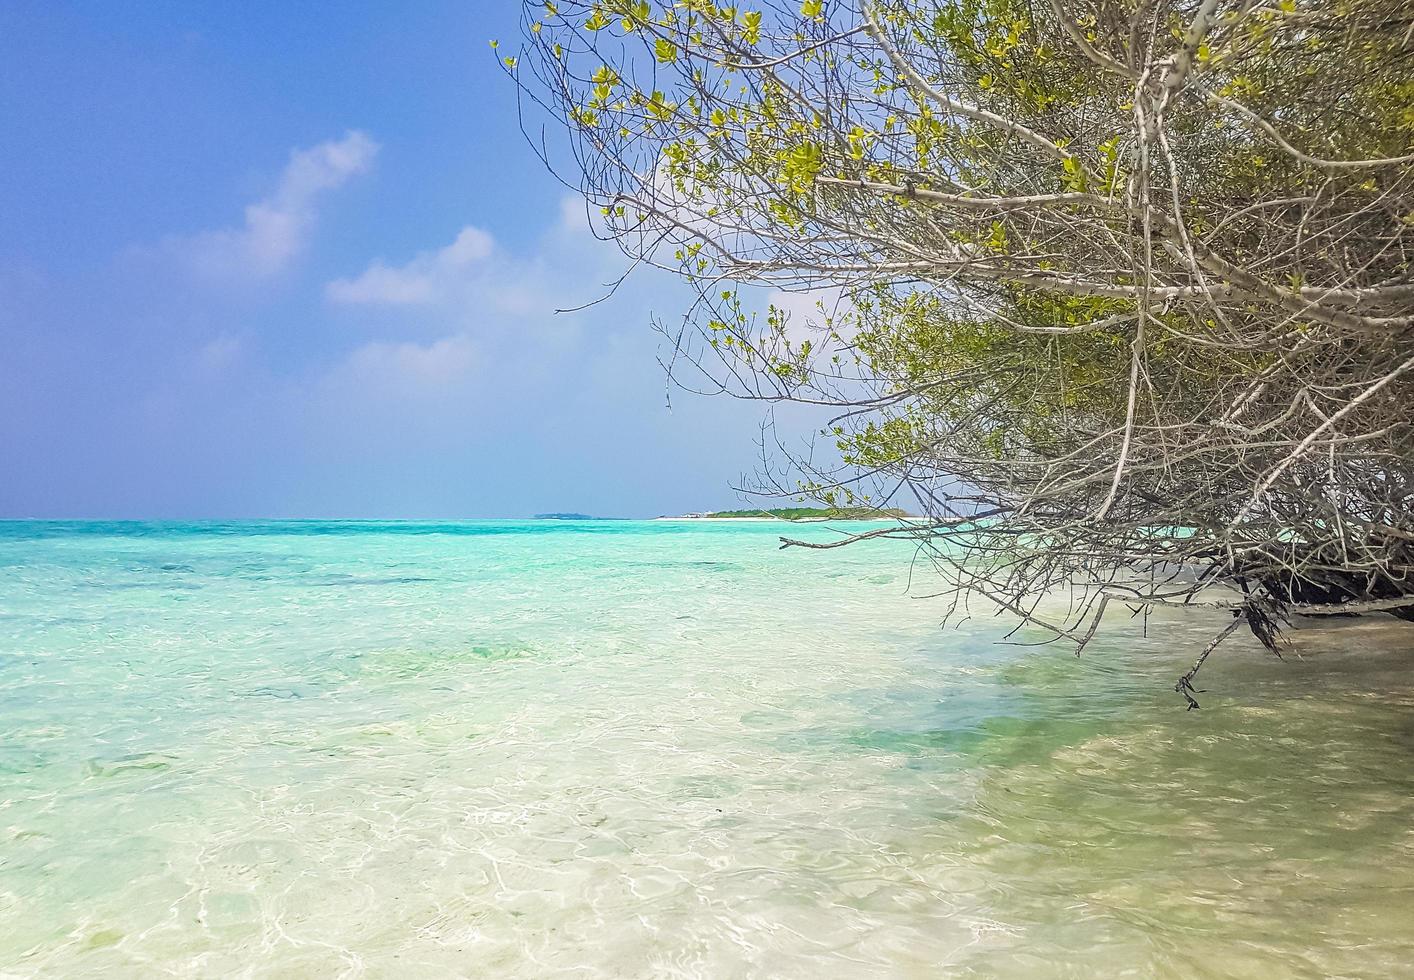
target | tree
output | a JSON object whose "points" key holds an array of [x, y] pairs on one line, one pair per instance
{"points": [[1124, 289]]}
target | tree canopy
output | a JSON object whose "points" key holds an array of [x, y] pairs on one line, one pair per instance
{"points": [[1117, 294]]}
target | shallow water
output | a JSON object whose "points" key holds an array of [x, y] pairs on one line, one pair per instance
{"points": [[662, 749]]}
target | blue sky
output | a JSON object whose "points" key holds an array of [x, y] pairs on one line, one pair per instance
{"points": [[288, 260]]}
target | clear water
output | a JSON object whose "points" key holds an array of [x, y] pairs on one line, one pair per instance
{"points": [[656, 749]]}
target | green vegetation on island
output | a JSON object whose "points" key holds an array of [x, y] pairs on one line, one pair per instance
{"points": [[813, 513]]}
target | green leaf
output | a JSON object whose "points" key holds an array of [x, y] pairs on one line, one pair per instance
{"points": [[751, 24], [801, 166]]}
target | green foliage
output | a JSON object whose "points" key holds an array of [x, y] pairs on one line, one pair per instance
{"points": [[816, 513], [1069, 244]]}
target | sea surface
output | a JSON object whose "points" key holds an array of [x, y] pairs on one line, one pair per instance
{"points": [[664, 749]]}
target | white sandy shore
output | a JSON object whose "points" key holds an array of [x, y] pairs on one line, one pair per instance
{"points": [[785, 520], [723, 520]]}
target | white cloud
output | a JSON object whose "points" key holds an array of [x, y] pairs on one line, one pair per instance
{"points": [[220, 354], [428, 278], [574, 218], [277, 228], [491, 308], [407, 366], [468, 283], [807, 311]]}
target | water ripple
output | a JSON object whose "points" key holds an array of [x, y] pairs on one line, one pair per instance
{"points": [[520, 749]]}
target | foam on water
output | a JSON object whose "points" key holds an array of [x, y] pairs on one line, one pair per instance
{"points": [[661, 749]]}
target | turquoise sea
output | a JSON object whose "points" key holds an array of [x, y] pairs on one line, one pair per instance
{"points": [[658, 749]]}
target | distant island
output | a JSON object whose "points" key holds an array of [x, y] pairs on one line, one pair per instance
{"points": [[573, 517], [801, 514]]}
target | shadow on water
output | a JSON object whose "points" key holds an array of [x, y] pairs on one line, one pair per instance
{"points": [[1113, 822], [994, 704]]}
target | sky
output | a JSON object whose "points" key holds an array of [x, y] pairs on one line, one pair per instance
{"points": [[272, 260]]}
